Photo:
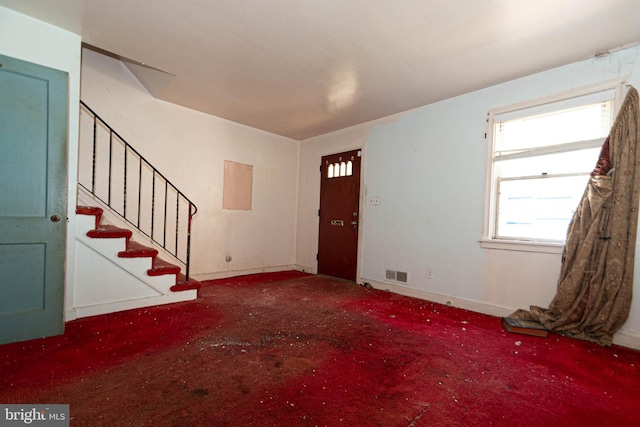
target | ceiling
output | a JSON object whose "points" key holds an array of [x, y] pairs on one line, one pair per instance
{"points": [[302, 68]]}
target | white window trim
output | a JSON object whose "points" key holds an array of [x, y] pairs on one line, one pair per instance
{"points": [[523, 245], [519, 110]]}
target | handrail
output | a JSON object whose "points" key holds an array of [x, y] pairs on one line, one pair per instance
{"points": [[103, 181]]}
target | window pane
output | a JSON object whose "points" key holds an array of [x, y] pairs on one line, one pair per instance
{"points": [[569, 162], [538, 208], [575, 124]]}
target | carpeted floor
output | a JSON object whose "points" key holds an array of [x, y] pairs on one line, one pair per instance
{"points": [[288, 349]]}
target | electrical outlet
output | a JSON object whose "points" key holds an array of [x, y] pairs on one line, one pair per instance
{"points": [[429, 274], [228, 258], [374, 201]]}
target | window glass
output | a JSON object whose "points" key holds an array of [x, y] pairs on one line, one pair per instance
{"points": [[574, 124], [538, 208]]}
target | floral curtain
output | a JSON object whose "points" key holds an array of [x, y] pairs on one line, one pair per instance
{"points": [[594, 289]]}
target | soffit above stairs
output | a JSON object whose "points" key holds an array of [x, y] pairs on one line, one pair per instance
{"points": [[302, 68]]}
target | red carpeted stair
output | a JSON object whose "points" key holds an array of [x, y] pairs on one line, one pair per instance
{"points": [[134, 249]]}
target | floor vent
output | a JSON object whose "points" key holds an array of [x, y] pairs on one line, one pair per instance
{"points": [[397, 276]]}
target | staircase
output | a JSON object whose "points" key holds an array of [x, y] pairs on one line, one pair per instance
{"points": [[114, 272], [124, 200]]}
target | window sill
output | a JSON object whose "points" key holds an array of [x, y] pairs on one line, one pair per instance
{"points": [[523, 246]]}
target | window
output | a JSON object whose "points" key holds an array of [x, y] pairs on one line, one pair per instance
{"points": [[540, 159], [340, 168]]}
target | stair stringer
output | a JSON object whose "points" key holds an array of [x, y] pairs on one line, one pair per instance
{"points": [[106, 283]]}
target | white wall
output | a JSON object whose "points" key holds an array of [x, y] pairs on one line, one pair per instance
{"points": [[190, 148], [427, 166], [31, 40]]}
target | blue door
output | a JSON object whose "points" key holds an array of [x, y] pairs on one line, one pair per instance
{"points": [[33, 199]]}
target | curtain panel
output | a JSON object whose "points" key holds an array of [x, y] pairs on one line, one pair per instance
{"points": [[594, 289]]}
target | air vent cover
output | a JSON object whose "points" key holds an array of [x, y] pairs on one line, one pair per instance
{"points": [[397, 276], [390, 275], [401, 276]]}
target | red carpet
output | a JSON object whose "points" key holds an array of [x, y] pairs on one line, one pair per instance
{"points": [[287, 349]]}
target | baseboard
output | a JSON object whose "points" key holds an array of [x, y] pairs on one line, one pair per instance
{"points": [[112, 307], [626, 339], [305, 269], [478, 307], [70, 315], [233, 273], [622, 338]]}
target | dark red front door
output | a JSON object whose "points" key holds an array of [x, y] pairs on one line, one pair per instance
{"points": [[339, 211]]}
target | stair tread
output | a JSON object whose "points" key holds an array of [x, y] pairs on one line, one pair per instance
{"points": [[137, 250], [183, 285], [110, 232], [161, 267], [89, 210]]}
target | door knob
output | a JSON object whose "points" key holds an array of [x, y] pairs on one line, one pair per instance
{"points": [[55, 218]]}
